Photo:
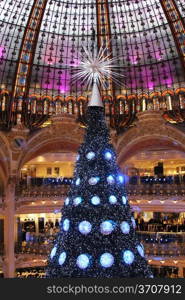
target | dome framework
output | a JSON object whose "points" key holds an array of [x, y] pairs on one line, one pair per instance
{"points": [[42, 41]]}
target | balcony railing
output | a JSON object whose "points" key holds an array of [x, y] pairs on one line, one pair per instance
{"points": [[120, 111], [139, 188], [33, 248], [42, 191], [162, 243]]}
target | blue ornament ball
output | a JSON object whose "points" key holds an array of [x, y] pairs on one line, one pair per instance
{"points": [[83, 261], [93, 180], [106, 260], [125, 227], [108, 155], [95, 200], [66, 224], [112, 199], [128, 257], [140, 249], [53, 252], [62, 258], [107, 227], [85, 227], [110, 179], [77, 201], [90, 155]]}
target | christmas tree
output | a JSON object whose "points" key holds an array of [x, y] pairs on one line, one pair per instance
{"points": [[97, 237]]}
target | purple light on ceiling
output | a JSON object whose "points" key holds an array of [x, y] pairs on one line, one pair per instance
{"points": [[158, 56], [133, 60], [56, 80], [2, 51], [150, 85], [162, 74]]}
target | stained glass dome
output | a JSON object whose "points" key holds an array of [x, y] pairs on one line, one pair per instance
{"points": [[42, 41]]}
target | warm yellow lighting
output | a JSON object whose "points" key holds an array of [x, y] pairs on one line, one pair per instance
{"points": [[32, 203], [162, 261], [45, 124], [149, 201], [40, 159], [43, 202], [24, 169], [162, 202], [175, 261]]}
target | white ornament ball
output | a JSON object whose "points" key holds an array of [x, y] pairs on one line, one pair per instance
{"points": [[125, 227], [106, 260], [66, 224], [93, 180], [85, 227], [110, 179], [141, 250], [95, 200], [77, 201], [78, 157], [107, 227], [121, 178], [124, 200], [90, 155], [112, 199], [128, 257], [62, 258], [67, 201], [53, 252], [133, 222], [83, 261], [77, 182], [108, 155]]}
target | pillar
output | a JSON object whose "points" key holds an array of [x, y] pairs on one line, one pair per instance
{"points": [[37, 225], [9, 229], [180, 272]]}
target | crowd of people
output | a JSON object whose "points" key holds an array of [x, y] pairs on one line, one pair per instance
{"points": [[161, 225], [28, 233], [165, 272]]}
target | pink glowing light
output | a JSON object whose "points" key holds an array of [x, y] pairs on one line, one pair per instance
{"points": [[57, 81], [150, 86], [2, 51], [134, 60], [158, 56]]}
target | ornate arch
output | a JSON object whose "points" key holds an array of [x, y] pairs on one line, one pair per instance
{"points": [[149, 130], [63, 134]]}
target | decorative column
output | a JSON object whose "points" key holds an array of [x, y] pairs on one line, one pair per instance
{"points": [[177, 26], [104, 33], [9, 229], [180, 272], [26, 56], [37, 225]]}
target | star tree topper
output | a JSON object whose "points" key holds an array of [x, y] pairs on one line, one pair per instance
{"points": [[96, 69]]}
